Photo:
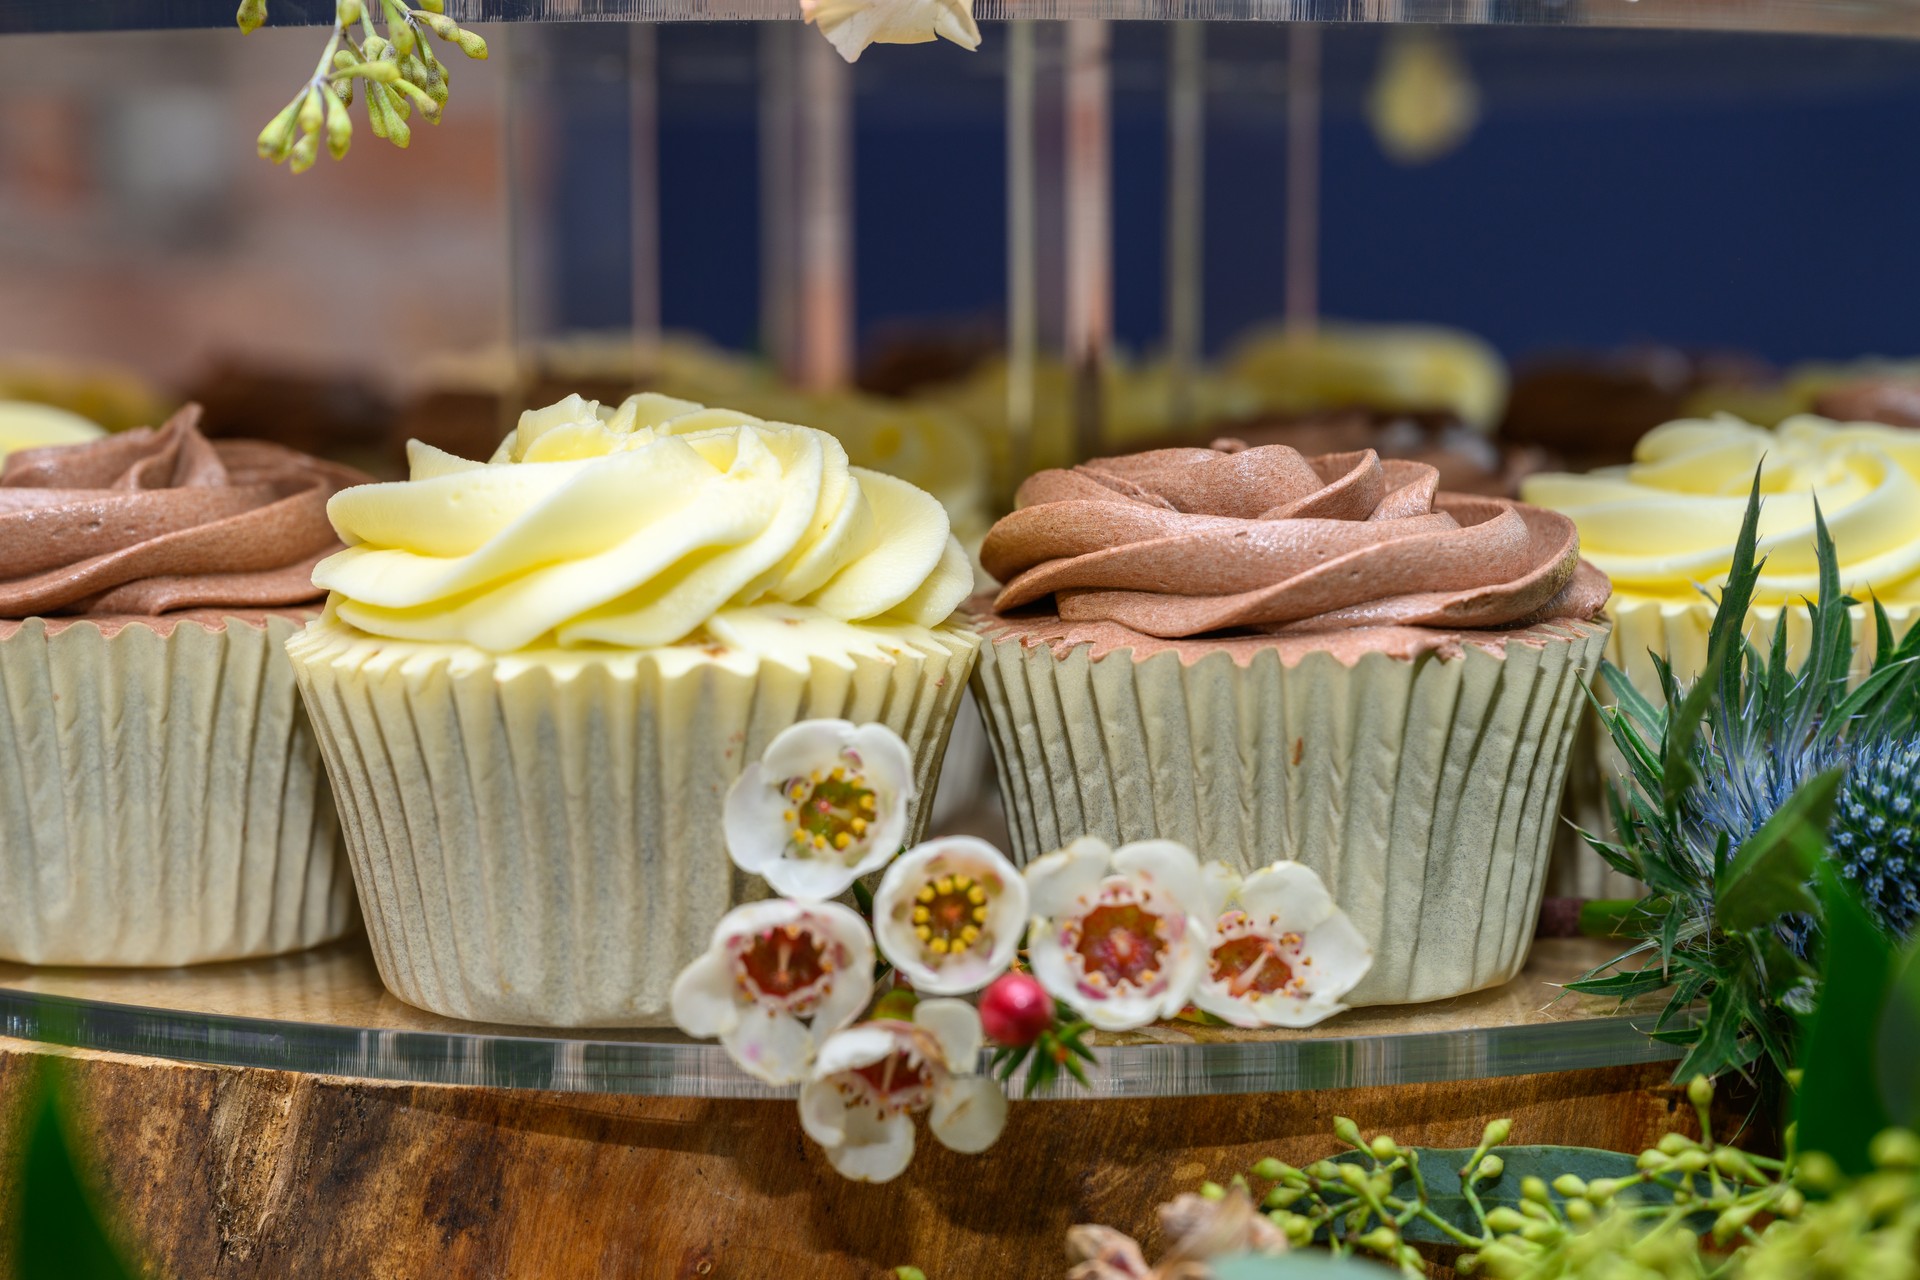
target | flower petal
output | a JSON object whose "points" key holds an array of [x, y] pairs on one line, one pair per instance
{"points": [[1238, 1010], [799, 749], [852, 987], [968, 1113], [810, 879], [1220, 882], [776, 1047], [1282, 1010], [1171, 866], [1121, 1011], [1340, 955], [956, 1026], [1188, 967], [754, 821], [823, 1113], [1048, 960], [1287, 897], [860, 1045], [874, 1148], [1055, 880], [703, 1001], [884, 758]]}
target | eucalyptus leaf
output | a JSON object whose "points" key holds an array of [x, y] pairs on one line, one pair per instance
{"points": [[1299, 1265], [1897, 1048]]}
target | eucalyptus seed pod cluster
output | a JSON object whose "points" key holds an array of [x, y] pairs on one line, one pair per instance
{"points": [[389, 52]]}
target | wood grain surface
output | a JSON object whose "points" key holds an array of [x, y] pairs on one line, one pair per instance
{"points": [[222, 1172]]}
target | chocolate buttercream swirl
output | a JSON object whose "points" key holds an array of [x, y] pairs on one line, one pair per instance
{"points": [[150, 521], [1187, 542]]}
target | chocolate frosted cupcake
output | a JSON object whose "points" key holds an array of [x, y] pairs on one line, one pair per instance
{"points": [[1265, 655], [162, 799]]}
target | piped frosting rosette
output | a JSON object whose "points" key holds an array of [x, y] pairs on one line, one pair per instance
{"points": [[174, 810], [1264, 655], [1190, 542], [637, 599], [1664, 526]]}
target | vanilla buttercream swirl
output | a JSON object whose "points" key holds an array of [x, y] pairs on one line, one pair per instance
{"points": [[635, 527], [152, 521], [1187, 542], [1665, 524]]}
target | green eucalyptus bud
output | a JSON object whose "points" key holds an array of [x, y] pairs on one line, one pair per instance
{"points": [[1700, 1091], [312, 112], [1505, 1219], [1790, 1203], [1323, 1171], [1384, 1148], [432, 6], [473, 46], [1271, 1169], [1542, 1231], [1652, 1161], [1691, 1161], [1212, 1191], [277, 137], [348, 12], [438, 23], [1535, 1190], [429, 106], [1496, 1132], [380, 72], [1732, 1222], [1347, 1131], [304, 152], [252, 13], [1816, 1169], [1380, 1240], [1568, 1184], [1895, 1149], [1601, 1190], [1490, 1167], [339, 128], [1354, 1176], [1580, 1213], [1734, 1163], [1466, 1264], [1674, 1143]]}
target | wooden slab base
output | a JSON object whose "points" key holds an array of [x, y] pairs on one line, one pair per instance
{"points": [[236, 1172]]}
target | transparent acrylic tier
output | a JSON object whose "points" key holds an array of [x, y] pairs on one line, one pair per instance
{"points": [[325, 1012], [1831, 17]]}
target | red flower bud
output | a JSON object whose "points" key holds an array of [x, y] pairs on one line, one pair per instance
{"points": [[1015, 1010]]}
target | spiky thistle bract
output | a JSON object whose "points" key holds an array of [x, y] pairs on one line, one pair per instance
{"points": [[1736, 788]]}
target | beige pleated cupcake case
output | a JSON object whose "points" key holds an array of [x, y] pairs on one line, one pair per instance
{"points": [[162, 800], [539, 677], [1408, 741]]}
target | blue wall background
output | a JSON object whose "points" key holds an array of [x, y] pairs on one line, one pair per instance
{"points": [[1757, 192]]}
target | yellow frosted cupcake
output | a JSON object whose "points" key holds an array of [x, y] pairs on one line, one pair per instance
{"points": [[1663, 529], [538, 676], [25, 424]]}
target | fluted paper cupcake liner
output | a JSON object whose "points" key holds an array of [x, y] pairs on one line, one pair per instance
{"points": [[162, 799], [1423, 791], [539, 839], [1677, 631]]}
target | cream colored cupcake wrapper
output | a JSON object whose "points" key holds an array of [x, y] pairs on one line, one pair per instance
{"points": [[1677, 630], [540, 841], [162, 799], [1423, 791]]}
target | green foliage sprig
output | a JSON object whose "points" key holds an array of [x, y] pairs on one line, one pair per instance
{"points": [[1060, 1048], [1725, 814], [396, 66]]}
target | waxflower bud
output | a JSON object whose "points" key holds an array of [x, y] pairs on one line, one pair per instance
{"points": [[1015, 1009], [304, 153], [277, 137], [339, 129], [312, 112]]}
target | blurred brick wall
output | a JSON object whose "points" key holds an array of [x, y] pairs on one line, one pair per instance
{"points": [[137, 226]]}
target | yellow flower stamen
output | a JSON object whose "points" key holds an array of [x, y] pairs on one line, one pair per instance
{"points": [[976, 895], [921, 915], [938, 946], [842, 840]]}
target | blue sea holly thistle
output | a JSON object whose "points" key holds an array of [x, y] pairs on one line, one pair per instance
{"points": [[1739, 790]]}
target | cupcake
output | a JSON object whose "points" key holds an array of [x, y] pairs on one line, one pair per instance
{"points": [[538, 676], [162, 800], [25, 424], [1403, 368], [1265, 655], [1664, 527]]}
